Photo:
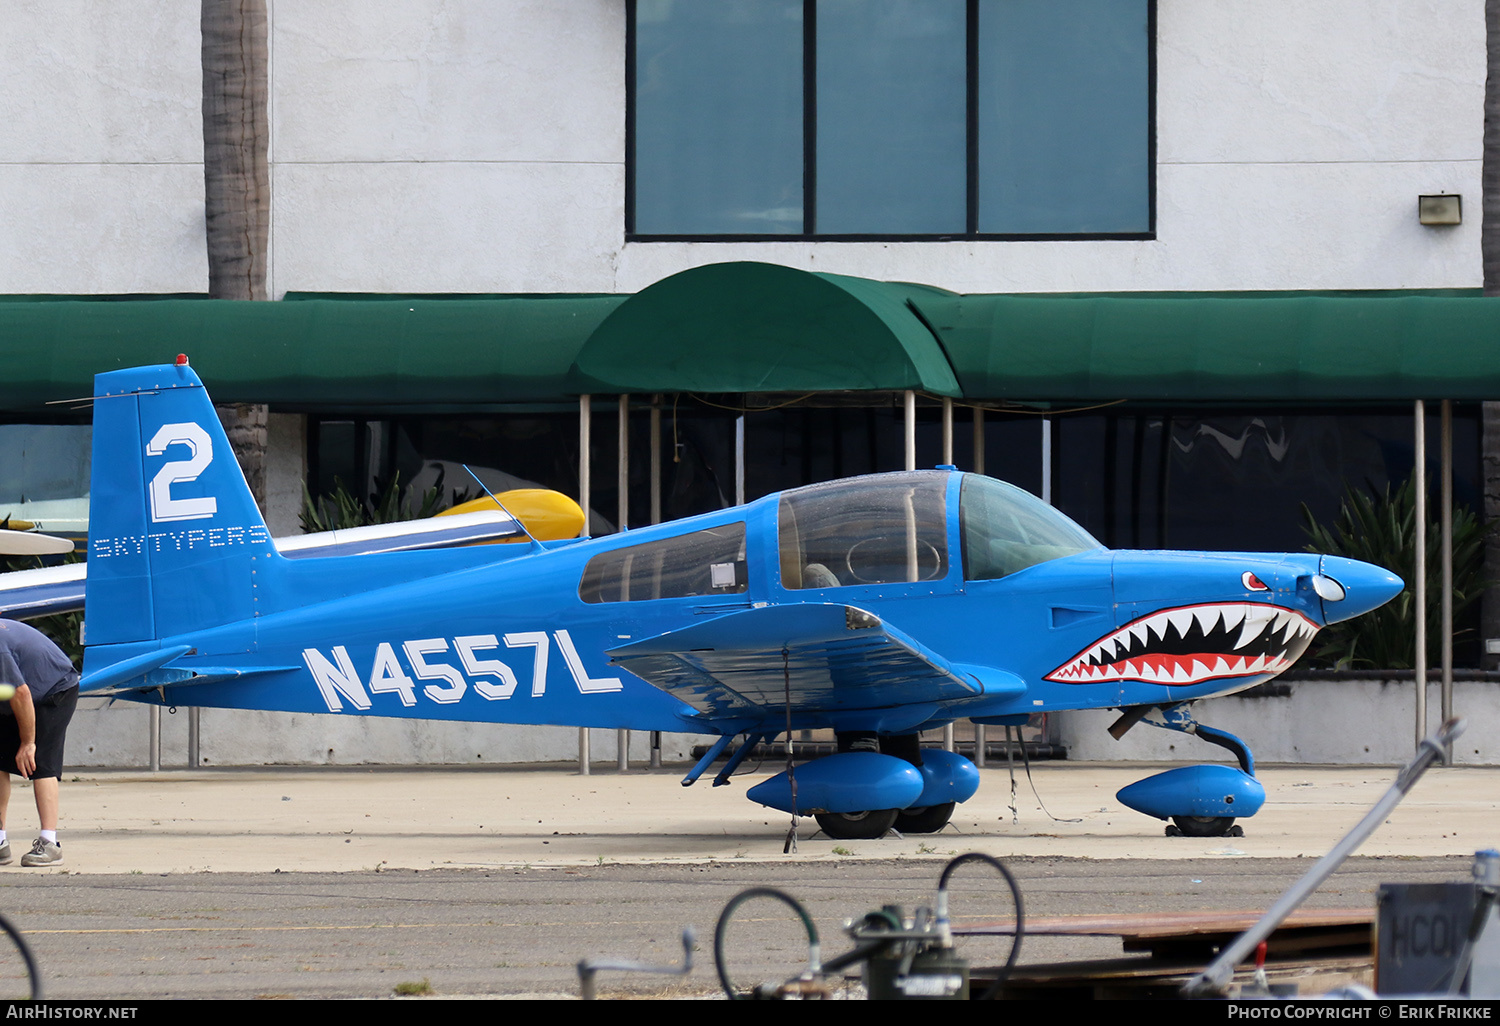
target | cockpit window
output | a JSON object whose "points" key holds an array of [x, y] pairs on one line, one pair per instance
{"points": [[888, 529], [1006, 529], [710, 562]]}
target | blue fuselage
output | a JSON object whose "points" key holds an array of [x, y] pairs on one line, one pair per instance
{"points": [[504, 633]]}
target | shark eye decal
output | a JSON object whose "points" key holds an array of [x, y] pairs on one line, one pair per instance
{"points": [[1253, 583], [1193, 644]]}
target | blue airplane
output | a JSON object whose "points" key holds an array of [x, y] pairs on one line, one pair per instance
{"points": [[877, 606]]}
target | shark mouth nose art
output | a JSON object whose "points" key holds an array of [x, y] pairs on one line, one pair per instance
{"points": [[1192, 644]]}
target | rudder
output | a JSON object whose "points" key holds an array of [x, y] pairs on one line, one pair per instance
{"points": [[174, 533]]}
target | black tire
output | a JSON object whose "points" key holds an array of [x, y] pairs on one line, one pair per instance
{"points": [[927, 820], [857, 826], [1204, 826]]}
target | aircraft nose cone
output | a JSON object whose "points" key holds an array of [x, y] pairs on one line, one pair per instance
{"points": [[1366, 587]]}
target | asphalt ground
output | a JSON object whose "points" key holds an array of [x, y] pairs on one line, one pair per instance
{"points": [[485, 882]]}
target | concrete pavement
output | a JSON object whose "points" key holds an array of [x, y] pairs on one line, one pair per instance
{"points": [[347, 820]]}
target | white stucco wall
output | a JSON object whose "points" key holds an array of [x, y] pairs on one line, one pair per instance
{"points": [[447, 145], [1335, 722], [478, 145], [105, 733], [101, 147]]}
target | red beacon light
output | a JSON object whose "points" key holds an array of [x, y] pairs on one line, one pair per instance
{"points": [[182, 360]]}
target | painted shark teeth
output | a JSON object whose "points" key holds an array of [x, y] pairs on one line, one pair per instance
{"points": [[1191, 644]]}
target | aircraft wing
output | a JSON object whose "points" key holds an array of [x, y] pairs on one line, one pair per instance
{"points": [[406, 536], [27, 594], [827, 655]]}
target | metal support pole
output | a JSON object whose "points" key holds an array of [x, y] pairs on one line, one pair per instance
{"points": [[1446, 532], [656, 749], [739, 460], [1419, 446], [948, 738], [911, 430], [947, 431], [585, 415], [1047, 460], [622, 749], [193, 738], [622, 469], [153, 738], [583, 751], [978, 440], [1215, 979], [979, 744], [656, 459]]}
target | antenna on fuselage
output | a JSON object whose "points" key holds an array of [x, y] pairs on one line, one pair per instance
{"points": [[495, 499]]}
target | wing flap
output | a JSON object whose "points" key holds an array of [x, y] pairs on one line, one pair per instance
{"points": [[821, 656]]}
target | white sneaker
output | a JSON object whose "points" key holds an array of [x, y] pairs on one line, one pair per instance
{"points": [[42, 853]]}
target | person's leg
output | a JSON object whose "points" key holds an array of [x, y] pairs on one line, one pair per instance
{"points": [[10, 741], [52, 717], [46, 801]]}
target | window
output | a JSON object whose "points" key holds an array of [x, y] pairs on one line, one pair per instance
{"points": [[907, 119], [710, 562], [873, 530]]}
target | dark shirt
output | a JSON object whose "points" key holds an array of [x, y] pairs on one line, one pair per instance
{"points": [[27, 656]]}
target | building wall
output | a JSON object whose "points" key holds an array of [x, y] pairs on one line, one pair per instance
{"points": [[479, 145], [101, 147], [107, 733]]}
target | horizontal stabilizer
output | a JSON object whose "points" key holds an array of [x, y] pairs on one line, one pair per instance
{"points": [[117, 673], [181, 677], [153, 669], [828, 656]]}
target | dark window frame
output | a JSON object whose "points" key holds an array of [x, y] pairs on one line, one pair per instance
{"points": [[809, 151]]}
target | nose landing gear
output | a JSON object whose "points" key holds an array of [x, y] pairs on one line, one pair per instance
{"points": [[1201, 801]]}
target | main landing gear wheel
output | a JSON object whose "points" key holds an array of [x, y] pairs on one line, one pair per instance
{"points": [[857, 826], [928, 820], [1204, 826]]}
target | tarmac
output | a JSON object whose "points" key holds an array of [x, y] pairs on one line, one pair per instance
{"points": [[343, 819]]}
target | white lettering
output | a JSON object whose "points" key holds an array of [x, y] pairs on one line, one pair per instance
{"points": [[201, 453], [539, 641], [415, 650], [387, 676], [586, 684], [336, 680], [476, 667]]}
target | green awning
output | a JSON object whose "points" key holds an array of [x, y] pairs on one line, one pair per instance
{"points": [[383, 354], [1196, 347], [752, 327]]}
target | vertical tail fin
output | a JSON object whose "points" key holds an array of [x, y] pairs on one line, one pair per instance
{"points": [[174, 533]]}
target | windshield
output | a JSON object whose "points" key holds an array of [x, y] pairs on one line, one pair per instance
{"points": [[1006, 529]]}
